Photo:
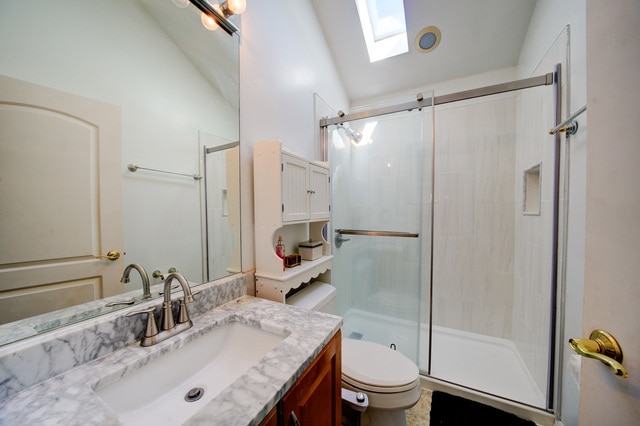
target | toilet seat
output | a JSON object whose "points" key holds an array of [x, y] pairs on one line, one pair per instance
{"points": [[391, 380], [376, 366]]}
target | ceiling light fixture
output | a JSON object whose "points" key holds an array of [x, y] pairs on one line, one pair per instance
{"points": [[214, 15]]}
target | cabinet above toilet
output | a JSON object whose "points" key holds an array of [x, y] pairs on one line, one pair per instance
{"points": [[292, 198]]}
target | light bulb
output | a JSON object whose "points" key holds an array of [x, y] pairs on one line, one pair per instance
{"points": [[208, 22], [181, 3], [236, 7]]}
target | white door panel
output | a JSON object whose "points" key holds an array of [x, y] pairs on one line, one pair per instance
{"points": [[60, 185], [295, 186], [612, 245], [319, 199]]}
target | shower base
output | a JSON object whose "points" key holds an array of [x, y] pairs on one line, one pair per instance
{"points": [[483, 363]]}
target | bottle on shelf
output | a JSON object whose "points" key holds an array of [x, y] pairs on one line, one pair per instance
{"points": [[280, 250]]}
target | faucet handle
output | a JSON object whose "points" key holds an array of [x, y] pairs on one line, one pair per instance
{"points": [[151, 329], [183, 314]]}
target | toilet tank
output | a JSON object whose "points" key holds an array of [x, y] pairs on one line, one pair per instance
{"points": [[318, 296]]}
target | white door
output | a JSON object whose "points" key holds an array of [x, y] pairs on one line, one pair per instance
{"points": [[295, 187], [60, 186], [319, 198], [612, 262]]}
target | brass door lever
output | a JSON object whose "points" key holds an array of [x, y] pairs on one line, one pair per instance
{"points": [[112, 255], [601, 346]]}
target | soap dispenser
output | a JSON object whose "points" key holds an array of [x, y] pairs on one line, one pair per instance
{"points": [[280, 250]]}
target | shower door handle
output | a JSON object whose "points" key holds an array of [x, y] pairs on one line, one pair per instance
{"points": [[340, 239], [370, 233], [601, 346]]}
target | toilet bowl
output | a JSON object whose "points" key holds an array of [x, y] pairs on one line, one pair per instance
{"points": [[390, 380]]}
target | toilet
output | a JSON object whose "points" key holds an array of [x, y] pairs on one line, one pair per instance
{"points": [[390, 380]]}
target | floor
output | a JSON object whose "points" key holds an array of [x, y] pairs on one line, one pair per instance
{"points": [[418, 415]]}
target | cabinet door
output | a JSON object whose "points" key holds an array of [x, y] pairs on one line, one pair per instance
{"points": [[271, 419], [319, 195], [295, 189], [315, 399]]}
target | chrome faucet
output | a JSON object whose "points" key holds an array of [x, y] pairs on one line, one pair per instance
{"points": [[168, 322], [146, 290], [169, 327]]}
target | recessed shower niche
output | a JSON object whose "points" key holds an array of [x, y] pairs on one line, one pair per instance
{"points": [[531, 191]]}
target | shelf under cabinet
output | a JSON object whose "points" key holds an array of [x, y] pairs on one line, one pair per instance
{"points": [[275, 287]]}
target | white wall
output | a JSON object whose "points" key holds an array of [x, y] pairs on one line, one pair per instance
{"points": [[284, 60]]}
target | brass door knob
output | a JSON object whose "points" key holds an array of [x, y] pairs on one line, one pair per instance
{"points": [[111, 255], [601, 346]]}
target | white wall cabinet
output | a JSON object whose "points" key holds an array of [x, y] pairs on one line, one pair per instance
{"points": [[289, 191], [319, 199], [305, 190]]}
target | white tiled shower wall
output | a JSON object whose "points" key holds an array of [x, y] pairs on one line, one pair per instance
{"points": [[533, 252], [474, 216]]}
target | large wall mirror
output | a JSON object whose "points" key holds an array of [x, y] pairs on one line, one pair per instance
{"points": [[148, 141]]}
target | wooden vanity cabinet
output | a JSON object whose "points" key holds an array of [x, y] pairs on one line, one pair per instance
{"points": [[316, 397], [271, 419]]}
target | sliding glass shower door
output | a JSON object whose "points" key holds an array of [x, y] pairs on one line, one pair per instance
{"points": [[381, 181], [444, 235]]}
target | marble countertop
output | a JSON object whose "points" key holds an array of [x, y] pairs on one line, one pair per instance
{"points": [[70, 399]]}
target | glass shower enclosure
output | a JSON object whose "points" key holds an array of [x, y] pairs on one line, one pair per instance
{"points": [[380, 188], [442, 233]]}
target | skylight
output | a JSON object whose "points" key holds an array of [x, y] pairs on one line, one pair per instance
{"points": [[383, 27]]}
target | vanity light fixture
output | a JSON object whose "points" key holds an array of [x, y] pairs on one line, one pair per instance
{"points": [[215, 15]]}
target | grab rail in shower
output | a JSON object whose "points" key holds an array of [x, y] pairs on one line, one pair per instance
{"points": [[570, 125], [376, 233], [133, 167]]}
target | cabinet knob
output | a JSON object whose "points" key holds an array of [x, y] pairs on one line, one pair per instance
{"points": [[294, 419]]}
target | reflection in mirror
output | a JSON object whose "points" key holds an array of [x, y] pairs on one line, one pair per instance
{"points": [[168, 82], [221, 192]]}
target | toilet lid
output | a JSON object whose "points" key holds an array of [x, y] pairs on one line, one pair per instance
{"points": [[376, 365]]}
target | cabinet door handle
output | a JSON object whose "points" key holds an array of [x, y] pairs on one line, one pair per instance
{"points": [[310, 191], [294, 419]]}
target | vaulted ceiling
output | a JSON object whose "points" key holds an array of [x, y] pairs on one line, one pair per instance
{"points": [[477, 36]]}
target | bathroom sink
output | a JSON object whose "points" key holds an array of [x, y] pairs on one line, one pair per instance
{"points": [[173, 387]]}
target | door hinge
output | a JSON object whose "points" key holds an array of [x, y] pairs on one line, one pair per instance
{"points": [[283, 208]]}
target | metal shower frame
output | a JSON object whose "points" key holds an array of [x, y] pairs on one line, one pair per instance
{"points": [[552, 78]]}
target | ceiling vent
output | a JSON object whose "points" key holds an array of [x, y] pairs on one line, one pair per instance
{"points": [[428, 39]]}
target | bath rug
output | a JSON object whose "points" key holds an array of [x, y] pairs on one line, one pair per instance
{"points": [[450, 410]]}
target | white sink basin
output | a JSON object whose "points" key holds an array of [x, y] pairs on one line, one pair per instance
{"points": [[155, 393]]}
